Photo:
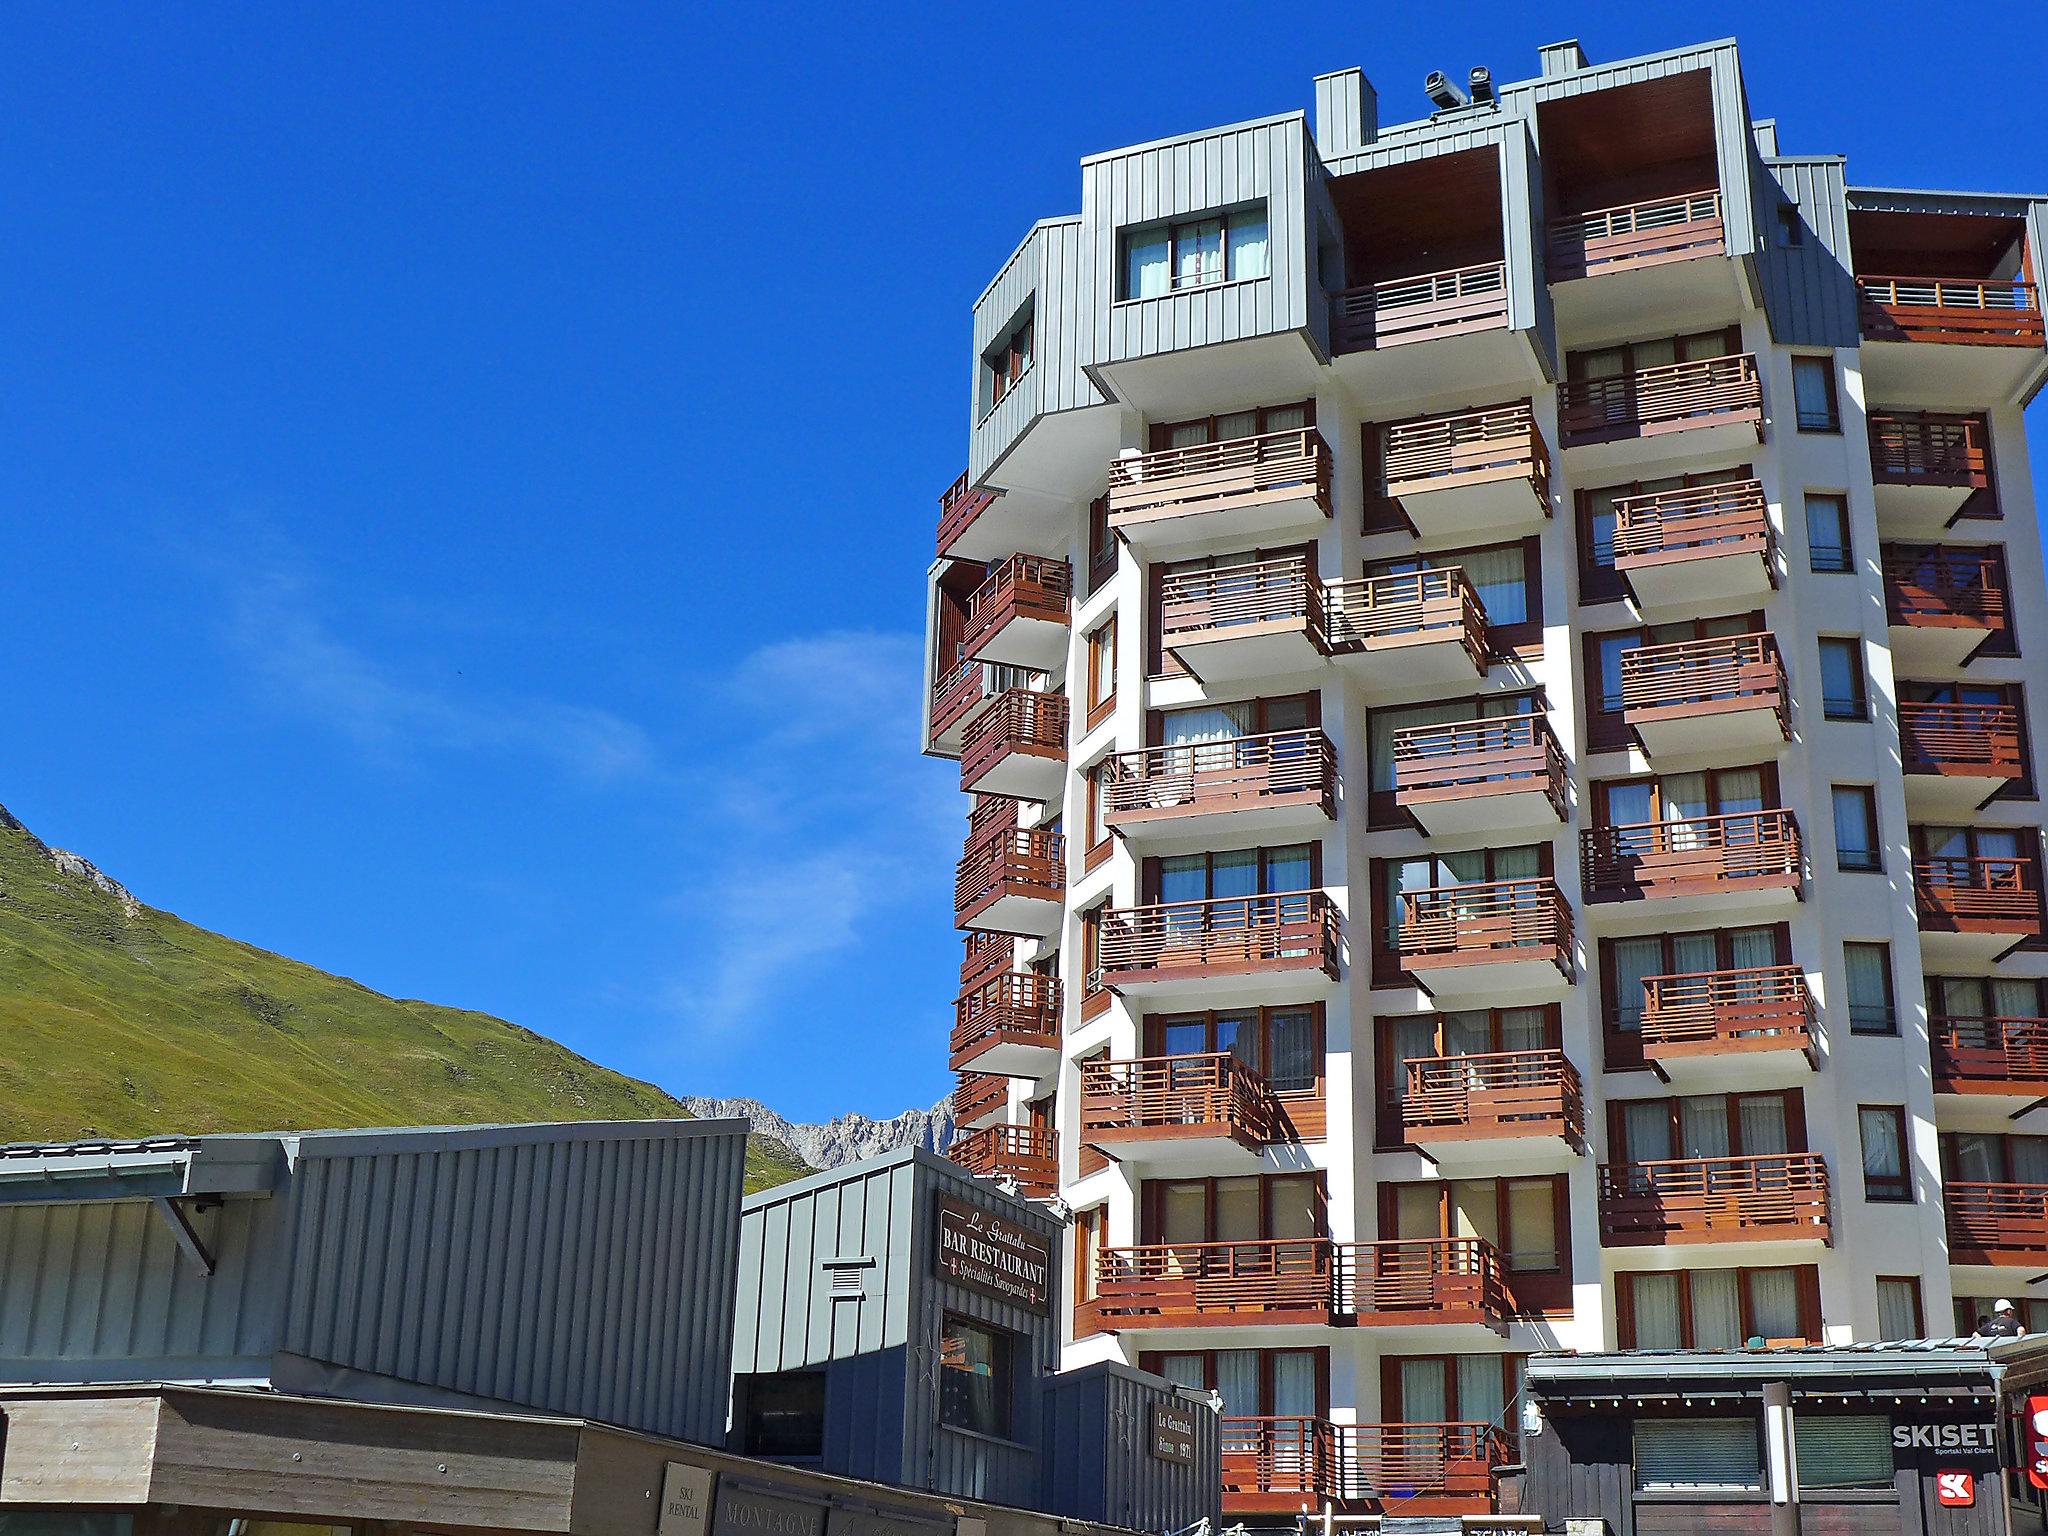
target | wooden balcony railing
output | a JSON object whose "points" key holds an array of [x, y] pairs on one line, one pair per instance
{"points": [[1421, 1280], [1995, 312], [1940, 586], [977, 1094], [1206, 605], [1404, 309], [1208, 1094], [1972, 740], [1736, 850], [1021, 720], [1989, 1055], [968, 685], [1485, 921], [984, 954], [1669, 398], [1498, 1094], [1703, 677], [989, 816], [1473, 759], [1980, 893], [1022, 863], [1643, 234], [1225, 935], [1697, 522], [1242, 772], [1712, 1013], [959, 505], [1010, 1008], [1240, 471], [1996, 1223], [1258, 1280], [1023, 586], [1028, 1154], [1376, 613], [1716, 1199], [1433, 453], [1930, 448], [1277, 1463]]}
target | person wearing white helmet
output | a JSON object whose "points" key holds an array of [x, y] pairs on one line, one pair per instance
{"points": [[2003, 1323]]}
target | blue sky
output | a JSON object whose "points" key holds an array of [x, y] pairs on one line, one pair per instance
{"points": [[470, 469]]}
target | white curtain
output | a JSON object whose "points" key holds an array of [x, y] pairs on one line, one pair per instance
{"points": [[1424, 1399], [1407, 1040], [1248, 258], [1703, 1127], [1294, 1384], [1237, 1379], [1480, 1396], [1763, 1126], [1716, 1310], [1774, 1303], [1145, 265], [1633, 960], [1532, 1226], [1897, 1310], [1655, 1299]]}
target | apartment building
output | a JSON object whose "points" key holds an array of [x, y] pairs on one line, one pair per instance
{"points": [[1490, 660]]}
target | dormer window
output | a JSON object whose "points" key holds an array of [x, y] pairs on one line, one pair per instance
{"points": [[1009, 359], [1194, 253]]}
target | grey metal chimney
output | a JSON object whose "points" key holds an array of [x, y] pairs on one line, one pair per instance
{"points": [[1347, 113]]}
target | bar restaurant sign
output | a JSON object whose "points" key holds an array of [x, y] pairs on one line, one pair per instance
{"points": [[997, 1257]]}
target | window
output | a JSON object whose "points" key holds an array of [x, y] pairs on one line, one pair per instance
{"points": [[1882, 1129], [1717, 1308], [1194, 253], [1098, 829], [1091, 1236], [1009, 359], [1233, 873], [1446, 1389], [1101, 671], [1842, 1450], [1381, 724], [1282, 1045], [1101, 545], [1974, 1310], [1856, 849], [1702, 1125], [1093, 994], [1633, 357], [1524, 1219], [1468, 1032], [1606, 729], [1253, 1383], [1624, 963], [1278, 1207], [1842, 695], [1869, 969], [1979, 1157], [1827, 532], [785, 1414], [1791, 230], [1506, 578], [974, 1377], [1898, 1309], [1690, 1454], [1424, 872], [1813, 394], [1598, 579]]}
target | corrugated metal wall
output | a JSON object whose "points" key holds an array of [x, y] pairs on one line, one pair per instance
{"points": [[101, 1290], [1048, 272], [587, 1274], [1098, 1463], [1809, 289]]}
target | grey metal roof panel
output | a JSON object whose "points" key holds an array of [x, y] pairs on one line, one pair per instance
{"points": [[151, 1168], [1199, 134], [1836, 1362]]}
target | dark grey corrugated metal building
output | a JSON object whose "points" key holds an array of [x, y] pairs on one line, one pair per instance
{"points": [[581, 1269]]}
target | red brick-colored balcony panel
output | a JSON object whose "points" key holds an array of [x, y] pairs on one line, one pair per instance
{"points": [[1978, 893], [1008, 1023], [1996, 1223], [1012, 884], [1967, 311], [1467, 775], [1930, 448], [1737, 851], [1675, 397], [1227, 1284], [1695, 543], [1242, 774], [979, 1095], [1398, 310], [1727, 691], [1225, 935], [1935, 586], [1976, 741], [1203, 1096], [1414, 627], [1633, 235], [1225, 483], [1430, 457], [2006, 1057], [1428, 1468], [1018, 616], [1027, 1154], [984, 954], [1408, 1281], [1774, 1198], [1017, 747], [1494, 1096], [1486, 922], [959, 505], [1719, 1013]]}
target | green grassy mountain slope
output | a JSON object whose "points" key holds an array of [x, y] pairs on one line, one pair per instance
{"points": [[120, 1020]]}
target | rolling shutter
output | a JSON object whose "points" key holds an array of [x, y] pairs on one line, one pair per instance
{"points": [[1679, 1454]]}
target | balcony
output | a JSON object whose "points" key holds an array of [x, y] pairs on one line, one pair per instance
{"points": [[1026, 1155], [1271, 949], [1996, 1224], [1510, 939], [1633, 236], [1479, 471], [1507, 1111], [1437, 1283], [1943, 603], [979, 1099], [1018, 617], [1980, 1058], [1252, 490], [1270, 787], [1957, 757], [1416, 632], [1711, 406], [1279, 1465], [966, 689], [1779, 1198], [1480, 776], [1260, 1281], [1739, 860], [1259, 620], [1017, 748], [1975, 907], [1724, 695], [1639, 267], [984, 954], [1009, 1024], [1400, 310], [1162, 1112], [1012, 884], [1702, 544], [1748, 1027], [1931, 469], [960, 509]]}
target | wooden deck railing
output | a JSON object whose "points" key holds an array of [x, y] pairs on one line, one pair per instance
{"points": [[1943, 586], [1974, 740], [978, 1093], [1468, 759], [1432, 1279], [1642, 234], [1374, 613], [1703, 1199], [1497, 1094], [1174, 1284], [1270, 1462], [1929, 448], [1991, 1054], [969, 684], [1291, 930], [1731, 851], [1978, 893], [1710, 1013], [1212, 1092], [1023, 586], [1028, 862], [1404, 309], [1276, 466], [1703, 677], [1662, 399], [1029, 1154], [1693, 523], [959, 506], [1484, 921], [1432, 453], [1998, 312], [1011, 1007], [1200, 604], [984, 954], [989, 816], [1237, 773], [1996, 1223], [1022, 720]]}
